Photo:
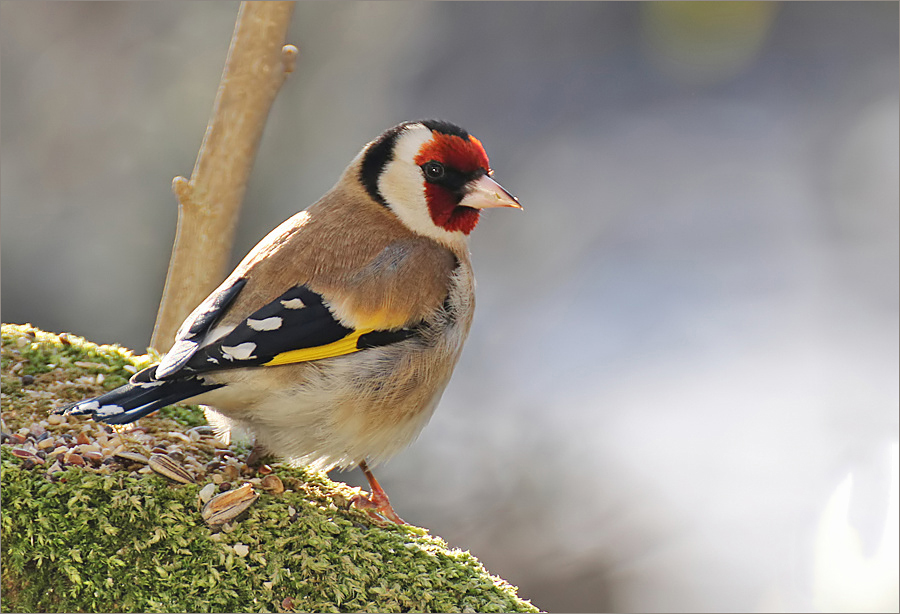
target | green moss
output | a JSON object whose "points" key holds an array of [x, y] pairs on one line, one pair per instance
{"points": [[88, 541]]}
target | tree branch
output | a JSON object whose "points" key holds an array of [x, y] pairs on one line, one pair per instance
{"points": [[209, 203]]}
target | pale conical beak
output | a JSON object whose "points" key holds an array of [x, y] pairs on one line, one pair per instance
{"points": [[484, 192]]}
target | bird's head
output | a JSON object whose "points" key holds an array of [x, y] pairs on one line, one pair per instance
{"points": [[434, 176]]}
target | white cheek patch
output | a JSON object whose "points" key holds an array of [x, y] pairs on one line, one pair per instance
{"points": [[273, 323], [410, 142], [403, 187], [401, 182]]}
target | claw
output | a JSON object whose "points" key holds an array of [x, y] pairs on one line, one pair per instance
{"points": [[378, 501]]}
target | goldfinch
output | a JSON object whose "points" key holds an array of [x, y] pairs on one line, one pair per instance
{"points": [[333, 340]]}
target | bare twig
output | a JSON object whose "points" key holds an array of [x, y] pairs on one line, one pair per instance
{"points": [[209, 203]]}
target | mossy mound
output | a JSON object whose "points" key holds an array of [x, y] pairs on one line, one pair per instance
{"points": [[94, 539]]}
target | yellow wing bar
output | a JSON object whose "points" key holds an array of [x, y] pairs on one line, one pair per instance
{"points": [[347, 345]]}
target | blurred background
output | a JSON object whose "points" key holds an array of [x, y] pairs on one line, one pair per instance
{"points": [[681, 388]]}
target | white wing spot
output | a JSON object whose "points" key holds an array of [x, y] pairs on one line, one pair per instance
{"points": [[273, 323], [215, 361], [243, 351], [88, 406], [215, 334], [294, 303]]}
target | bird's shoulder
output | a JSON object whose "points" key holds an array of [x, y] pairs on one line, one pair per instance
{"points": [[369, 269], [319, 285]]}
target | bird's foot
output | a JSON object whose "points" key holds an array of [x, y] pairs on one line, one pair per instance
{"points": [[377, 506], [377, 502]]}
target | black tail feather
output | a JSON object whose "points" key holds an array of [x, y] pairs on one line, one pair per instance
{"points": [[142, 395]]}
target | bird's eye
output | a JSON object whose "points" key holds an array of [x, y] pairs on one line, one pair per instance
{"points": [[433, 170]]}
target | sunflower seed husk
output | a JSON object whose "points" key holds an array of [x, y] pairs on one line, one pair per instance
{"points": [[272, 483], [229, 505], [132, 456], [95, 458], [28, 455], [163, 465], [173, 435], [203, 430]]}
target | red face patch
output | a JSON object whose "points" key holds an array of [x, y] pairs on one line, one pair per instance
{"points": [[456, 152], [445, 213], [466, 156]]}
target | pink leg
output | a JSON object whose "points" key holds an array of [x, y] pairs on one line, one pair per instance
{"points": [[378, 501]]}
